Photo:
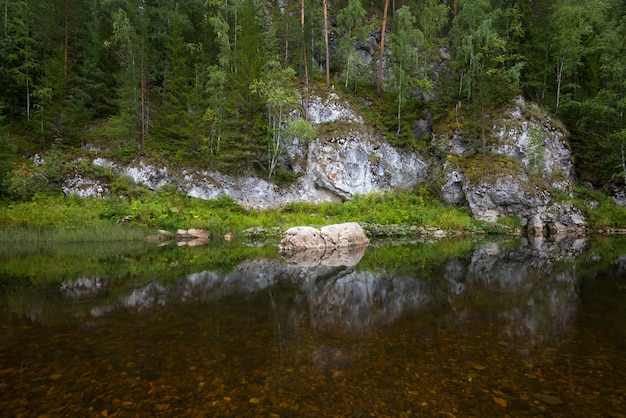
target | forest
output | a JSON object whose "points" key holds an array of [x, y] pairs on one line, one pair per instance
{"points": [[217, 83]]}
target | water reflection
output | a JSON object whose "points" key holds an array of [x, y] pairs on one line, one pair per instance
{"points": [[532, 286], [524, 328]]}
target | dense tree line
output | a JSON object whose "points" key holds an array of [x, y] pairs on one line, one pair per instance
{"points": [[218, 80]]}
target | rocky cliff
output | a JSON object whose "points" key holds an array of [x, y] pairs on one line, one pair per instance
{"points": [[330, 167], [528, 173], [528, 164]]}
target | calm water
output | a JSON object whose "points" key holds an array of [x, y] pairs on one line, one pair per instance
{"points": [[451, 329]]}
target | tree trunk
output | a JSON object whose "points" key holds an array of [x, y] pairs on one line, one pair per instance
{"points": [[483, 137], [6, 16], [381, 54], [306, 66], [286, 34], [326, 44], [66, 42], [27, 97], [623, 161], [96, 15], [143, 97], [559, 77]]}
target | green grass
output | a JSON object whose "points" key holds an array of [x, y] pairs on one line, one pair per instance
{"points": [[601, 211], [69, 219], [55, 218]]}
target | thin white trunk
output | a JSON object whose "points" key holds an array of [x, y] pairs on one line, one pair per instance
{"points": [[559, 77], [347, 72], [623, 161], [27, 97], [326, 44]]}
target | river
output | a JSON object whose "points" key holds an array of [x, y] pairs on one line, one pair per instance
{"points": [[455, 328]]}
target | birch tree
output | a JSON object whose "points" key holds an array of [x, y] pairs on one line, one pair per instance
{"points": [[350, 23], [281, 97], [404, 42], [570, 28]]}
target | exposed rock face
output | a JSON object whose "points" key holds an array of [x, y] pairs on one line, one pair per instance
{"points": [[331, 245], [361, 165], [350, 158], [617, 192], [331, 109], [452, 188], [537, 143], [510, 194], [536, 160], [331, 169], [85, 187]]}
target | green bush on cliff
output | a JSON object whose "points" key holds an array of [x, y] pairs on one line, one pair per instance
{"points": [[600, 210]]}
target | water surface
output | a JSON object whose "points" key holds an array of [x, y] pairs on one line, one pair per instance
{"points": [[456, 328]]}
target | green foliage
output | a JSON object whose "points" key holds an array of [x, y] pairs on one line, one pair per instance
{"points": [[425, 258], [219, 84], [171, 210], [7, 156], [601, 211], [350, 20], [536, 150], [281, 98], [27, 179], [405, 71]]}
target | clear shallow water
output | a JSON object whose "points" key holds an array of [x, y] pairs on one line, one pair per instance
{"points": [[449, 329]]}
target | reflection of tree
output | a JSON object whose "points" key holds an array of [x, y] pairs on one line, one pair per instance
{"points": [[527, 292], [523, 289]]}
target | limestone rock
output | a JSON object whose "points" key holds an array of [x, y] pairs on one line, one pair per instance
{"points": [[616, 191], [331, 109], [526, 134], [85, 187], [302, 238], [511, 194], [452, 188], [532, 161], [361, 164], [357, 160], [333, 244], [344, 235]]}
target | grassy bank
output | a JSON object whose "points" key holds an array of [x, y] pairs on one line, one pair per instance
{"points": [[72, 219], [67, 219]]}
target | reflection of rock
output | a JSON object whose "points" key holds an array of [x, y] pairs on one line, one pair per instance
{"points": [[192, 237], [529, 292], [348, 256], [536, 301], [83, 288], [340, 244]]}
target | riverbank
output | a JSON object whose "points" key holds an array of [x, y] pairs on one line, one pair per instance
{"points": [[392, 215]]}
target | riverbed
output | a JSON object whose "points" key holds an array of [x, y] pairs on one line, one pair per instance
{"points": [[455, 328]]}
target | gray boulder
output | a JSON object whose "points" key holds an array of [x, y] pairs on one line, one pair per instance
{"points": [[302, 238], [338, 244], [344, 235]]}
